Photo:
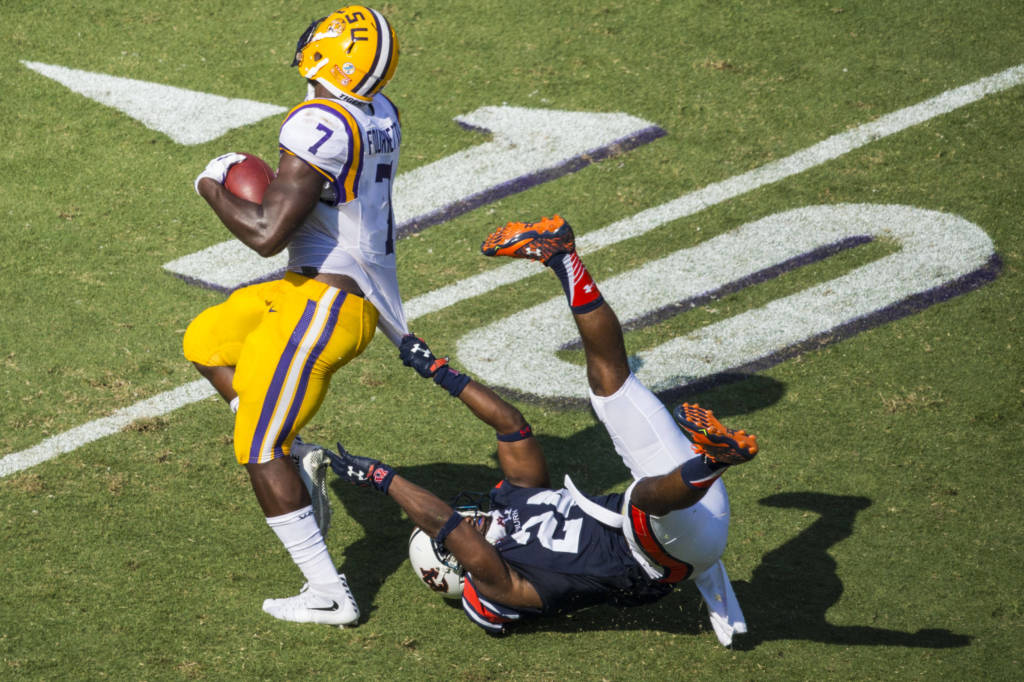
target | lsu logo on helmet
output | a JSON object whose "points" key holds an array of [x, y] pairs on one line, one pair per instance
{"points": [[352, 52]]}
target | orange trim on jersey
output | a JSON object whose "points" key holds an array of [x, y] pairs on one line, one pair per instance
{"points": [[677, 570]]}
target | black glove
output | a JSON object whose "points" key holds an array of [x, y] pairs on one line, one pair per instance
{"points": [[361, 471], [415, 353]]}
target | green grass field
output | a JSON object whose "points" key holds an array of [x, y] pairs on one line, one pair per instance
{"points": [[877, 536]]}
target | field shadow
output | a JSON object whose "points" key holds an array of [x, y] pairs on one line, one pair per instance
{"points": [[729, 394], [791, 590]]}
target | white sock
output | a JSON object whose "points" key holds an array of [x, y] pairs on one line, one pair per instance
{"points": [[300, 535], [234, 404]]}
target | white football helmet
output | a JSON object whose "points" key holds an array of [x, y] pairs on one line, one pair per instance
{"points": [[434, 565]]}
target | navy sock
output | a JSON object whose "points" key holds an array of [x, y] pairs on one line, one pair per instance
{"points": [[700, 471]]}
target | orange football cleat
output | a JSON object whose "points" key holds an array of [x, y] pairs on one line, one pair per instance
{"points": [[717, 442], [537, 241]]}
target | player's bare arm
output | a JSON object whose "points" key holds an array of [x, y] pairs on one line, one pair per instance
{"points": [[519, 455], [266, 227], [493, 577], [522, 461]]}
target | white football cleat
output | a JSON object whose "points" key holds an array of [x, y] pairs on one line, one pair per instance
{"points": [[307, 606], [312, 462]]}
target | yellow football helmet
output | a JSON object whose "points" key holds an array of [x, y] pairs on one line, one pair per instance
{"points": [[352, 52]]}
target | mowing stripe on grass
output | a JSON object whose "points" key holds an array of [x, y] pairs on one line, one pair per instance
{"points": [[688, 204]]}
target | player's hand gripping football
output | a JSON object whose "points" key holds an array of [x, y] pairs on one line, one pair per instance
{"points": [[361, 471], [415, 353], [217, 169]]}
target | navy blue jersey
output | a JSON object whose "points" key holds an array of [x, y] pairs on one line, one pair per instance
{"points": [[572, 560]]}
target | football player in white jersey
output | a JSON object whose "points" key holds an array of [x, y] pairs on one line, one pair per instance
{"points": [[271, 348], [547, 551]]}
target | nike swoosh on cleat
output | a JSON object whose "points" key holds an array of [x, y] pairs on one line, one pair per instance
{"points": [[333, 607]]}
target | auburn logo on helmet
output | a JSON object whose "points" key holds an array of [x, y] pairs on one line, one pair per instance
{"points": [[430, 578]]}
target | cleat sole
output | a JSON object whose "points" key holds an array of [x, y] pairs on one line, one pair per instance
{"points": [[712, 438]]}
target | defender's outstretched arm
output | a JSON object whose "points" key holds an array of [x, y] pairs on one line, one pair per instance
{"points": [[519, 455], [492, 576]]}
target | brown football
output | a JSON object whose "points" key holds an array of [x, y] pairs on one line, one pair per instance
{"points": [[249, 179]]}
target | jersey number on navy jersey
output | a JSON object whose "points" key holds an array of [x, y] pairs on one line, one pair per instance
{"points": [[551, 528]]}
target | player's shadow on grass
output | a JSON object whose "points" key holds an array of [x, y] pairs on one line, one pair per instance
{"points": [[727, 393], [795, 584]]}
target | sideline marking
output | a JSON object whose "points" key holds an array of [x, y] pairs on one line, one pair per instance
{"points": [[829, 149], [706, 197], [156, 406]]}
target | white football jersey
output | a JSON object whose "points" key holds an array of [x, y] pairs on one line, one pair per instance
{"points": [[351, 230]]}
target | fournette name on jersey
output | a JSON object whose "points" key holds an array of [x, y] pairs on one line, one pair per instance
{"points": [[383, 141]]}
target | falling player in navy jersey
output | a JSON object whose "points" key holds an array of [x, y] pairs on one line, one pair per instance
{"points": [[541, 551]]}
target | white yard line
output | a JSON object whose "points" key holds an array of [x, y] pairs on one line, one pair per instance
{"points": [[86, 433], [706, 197], [688, 204]]}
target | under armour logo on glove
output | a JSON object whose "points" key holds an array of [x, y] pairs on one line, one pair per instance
{"points": [[361, 471], [415, 353]]}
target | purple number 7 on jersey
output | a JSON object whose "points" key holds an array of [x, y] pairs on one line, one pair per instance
{"points": [[327, 135]]}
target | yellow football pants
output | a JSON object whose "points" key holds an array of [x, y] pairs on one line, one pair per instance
{"points": [[285, 339]]}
